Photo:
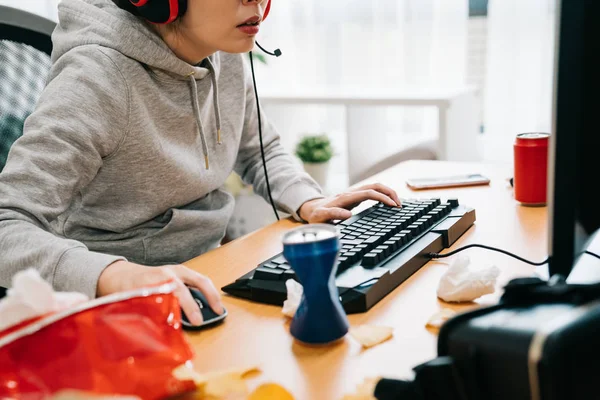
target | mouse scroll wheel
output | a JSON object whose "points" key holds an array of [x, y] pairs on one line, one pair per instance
{"points": [[199, 303]]}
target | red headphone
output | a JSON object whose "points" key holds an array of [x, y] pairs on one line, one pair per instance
{"points": [[167, 11]]}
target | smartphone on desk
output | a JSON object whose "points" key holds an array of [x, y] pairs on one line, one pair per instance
{"points": [[447, 181]]}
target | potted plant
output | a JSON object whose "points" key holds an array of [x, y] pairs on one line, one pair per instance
{"points": [[315, 151]]}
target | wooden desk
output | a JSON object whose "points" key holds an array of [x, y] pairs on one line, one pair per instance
{"points": [[257, 334]]}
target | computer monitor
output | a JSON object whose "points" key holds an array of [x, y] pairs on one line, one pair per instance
{"points": [[574, 150]]}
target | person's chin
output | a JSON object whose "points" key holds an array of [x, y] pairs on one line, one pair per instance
{"points": [[241, 46]]}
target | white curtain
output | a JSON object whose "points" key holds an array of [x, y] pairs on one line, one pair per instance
{"points": [[357, 45], [520, 67], [45, 8], [375, 44]]}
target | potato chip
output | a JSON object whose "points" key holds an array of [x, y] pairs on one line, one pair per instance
{"points": [[271, 391], [225, 386], [358, 397], [217, 385], [438, 319], [187, 372], [364, 391], [370, 335], [368, 386]]}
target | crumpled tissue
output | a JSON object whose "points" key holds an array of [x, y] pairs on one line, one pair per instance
{"points": [[30, 296], [294, 295], [461, 283]]}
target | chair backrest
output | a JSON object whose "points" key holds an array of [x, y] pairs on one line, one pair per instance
{"points": [[25, 48]]}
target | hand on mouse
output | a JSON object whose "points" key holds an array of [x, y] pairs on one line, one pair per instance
{"points": [[122, 275], [339, 206]]}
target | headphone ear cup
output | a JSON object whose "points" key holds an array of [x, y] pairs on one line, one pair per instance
{"points": [[267, 9], [160, 11]]}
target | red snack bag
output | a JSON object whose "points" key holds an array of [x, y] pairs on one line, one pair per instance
{"points": [[123, 344]]}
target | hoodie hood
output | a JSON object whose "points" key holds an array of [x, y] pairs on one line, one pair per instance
{"points": [[101, 22]]}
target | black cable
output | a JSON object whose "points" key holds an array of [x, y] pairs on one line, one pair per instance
{"points": [[592, 254], [437, 255], [276, 53], [262, 149]]}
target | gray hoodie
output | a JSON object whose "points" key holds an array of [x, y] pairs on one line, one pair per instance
{"points": [[127, 152]]}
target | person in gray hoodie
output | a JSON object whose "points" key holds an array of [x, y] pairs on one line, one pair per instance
{"points": [[118, 177]]}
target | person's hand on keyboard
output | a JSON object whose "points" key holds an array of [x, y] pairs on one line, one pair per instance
{"points": [[122, 275], [339, 206]]}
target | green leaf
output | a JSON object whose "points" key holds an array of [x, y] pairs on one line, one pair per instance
{"points": [[260, 58], [314, 148]]}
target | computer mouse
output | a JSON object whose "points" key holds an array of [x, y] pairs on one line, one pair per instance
{"points": [[210, 317]]}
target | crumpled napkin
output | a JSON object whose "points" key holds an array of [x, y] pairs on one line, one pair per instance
{"points": [[30, 296], [294, 295], [461, 283]]}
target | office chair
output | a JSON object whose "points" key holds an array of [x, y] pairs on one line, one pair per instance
{"points": [[25, 48]]}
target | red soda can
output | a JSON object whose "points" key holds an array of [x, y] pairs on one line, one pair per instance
{"points": [[531, 168]]}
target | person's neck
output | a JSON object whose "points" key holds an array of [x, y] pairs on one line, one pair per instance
{"points": [[183, 47]]}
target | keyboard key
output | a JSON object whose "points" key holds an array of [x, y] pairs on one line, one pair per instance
{"points": [[352, 256], [278, 260], [385, 250], [285, 266], [392, 244], [270, 265], [420, 226], [267, 274], [423, 221], [289, 274], [413, 228], [435, 215], [379, 254], [369, 259], [404, 238], [446, 207], [372, 240], [421, 211]]}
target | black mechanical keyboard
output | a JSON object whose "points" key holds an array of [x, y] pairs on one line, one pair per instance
{"points": [[381, 247]]}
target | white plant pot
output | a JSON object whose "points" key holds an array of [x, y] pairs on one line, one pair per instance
{"points": [[318, 171]]}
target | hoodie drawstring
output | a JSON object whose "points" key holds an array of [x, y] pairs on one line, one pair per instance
{"points": [[213, 77], [198, 120], [196, 104]]}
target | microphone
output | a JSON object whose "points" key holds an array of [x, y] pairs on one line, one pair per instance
{"points": [[276, 53]]}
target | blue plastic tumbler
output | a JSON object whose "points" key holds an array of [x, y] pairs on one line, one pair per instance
{"points": [[312, 251]]}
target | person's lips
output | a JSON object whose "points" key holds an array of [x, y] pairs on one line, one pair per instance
{"points": [[250, 26]]}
